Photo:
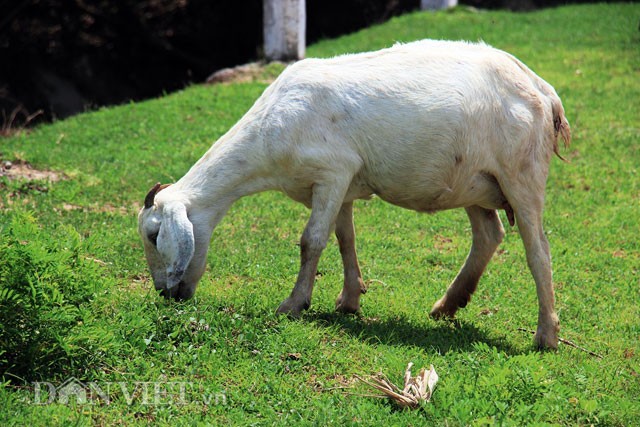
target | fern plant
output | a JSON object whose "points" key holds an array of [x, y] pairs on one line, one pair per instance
{"points": [[45, 284]]}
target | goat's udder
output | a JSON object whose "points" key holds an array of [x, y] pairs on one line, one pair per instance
{"points": [[509, 211]]}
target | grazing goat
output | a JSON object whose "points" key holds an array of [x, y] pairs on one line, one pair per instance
{"points": [[428, 125]]}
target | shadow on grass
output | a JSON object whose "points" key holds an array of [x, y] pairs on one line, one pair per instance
{"points": [[443, 337]]}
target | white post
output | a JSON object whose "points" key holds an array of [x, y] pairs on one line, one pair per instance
{"points": [[284, 23], [437, 4]]}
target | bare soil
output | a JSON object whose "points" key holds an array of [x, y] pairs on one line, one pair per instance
{"points": [[23, 170]]}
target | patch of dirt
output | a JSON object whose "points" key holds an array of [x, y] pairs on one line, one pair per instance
{"points": [[442, 243], [31, 180], [102, 208], [28, 181], [23, 170]]}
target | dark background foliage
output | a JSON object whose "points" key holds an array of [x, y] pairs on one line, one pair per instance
{"points": [[64, 56]]}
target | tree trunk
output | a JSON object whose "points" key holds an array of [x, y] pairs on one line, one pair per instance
{"points": [[284, 29], [437, 4]]}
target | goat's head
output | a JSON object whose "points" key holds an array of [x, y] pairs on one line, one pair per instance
{"points": [[169, 242]]}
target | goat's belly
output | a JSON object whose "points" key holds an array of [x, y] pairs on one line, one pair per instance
{"points": [[431, 202], [480, 189]]}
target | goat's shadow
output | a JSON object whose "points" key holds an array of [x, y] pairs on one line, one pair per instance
{"points": [[443, 337]]}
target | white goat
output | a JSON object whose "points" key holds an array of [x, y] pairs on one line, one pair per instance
{"points": [[428, 125]]}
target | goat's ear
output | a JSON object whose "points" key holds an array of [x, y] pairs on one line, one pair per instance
{"points": [[151, 195], [175, 241]]}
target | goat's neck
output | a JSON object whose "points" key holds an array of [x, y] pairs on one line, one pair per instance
{"points": [[232, 168]]}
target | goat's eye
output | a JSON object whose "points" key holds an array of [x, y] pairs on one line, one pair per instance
{"points": [[153, 237]]}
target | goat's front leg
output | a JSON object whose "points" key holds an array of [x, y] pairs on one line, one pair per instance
{"points": [[487, 234], [326, 202], [349, 299]]}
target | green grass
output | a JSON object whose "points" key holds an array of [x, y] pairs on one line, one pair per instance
{"points": [[95, 317]]}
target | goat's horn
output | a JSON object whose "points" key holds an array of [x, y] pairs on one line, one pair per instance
{"points": [[151, 195]]}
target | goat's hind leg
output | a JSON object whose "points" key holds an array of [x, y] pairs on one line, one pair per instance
{"points": [[349, 299], [528, 208], [487, 234]]}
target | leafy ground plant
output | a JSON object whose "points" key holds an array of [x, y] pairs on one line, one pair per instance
{"points": [[47, 282], [114, 352]]}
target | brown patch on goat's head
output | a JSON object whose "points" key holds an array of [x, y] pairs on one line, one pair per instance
{"points": [[151, 195]]}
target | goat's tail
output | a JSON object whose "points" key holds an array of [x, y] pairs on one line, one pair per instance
{"points": [[560, 123], [560, 126]]}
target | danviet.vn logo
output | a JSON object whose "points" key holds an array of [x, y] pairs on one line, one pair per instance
{"points": [[157, 393]]}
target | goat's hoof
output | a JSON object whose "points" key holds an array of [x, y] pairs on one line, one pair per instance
{"points": [[346, 308], [347, 305], [546, 339], [545, 342], [440, 310], [292, 308]]}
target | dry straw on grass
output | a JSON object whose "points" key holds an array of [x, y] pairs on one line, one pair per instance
{"points": [[416, 389]]}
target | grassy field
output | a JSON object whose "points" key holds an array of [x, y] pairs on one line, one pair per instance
{"points": [[76, 299]]}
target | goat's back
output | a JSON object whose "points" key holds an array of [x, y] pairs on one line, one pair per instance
{"points": [[410, 114]]}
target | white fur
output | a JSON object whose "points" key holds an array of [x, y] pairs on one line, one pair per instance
{"points": [[429, 125]]}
